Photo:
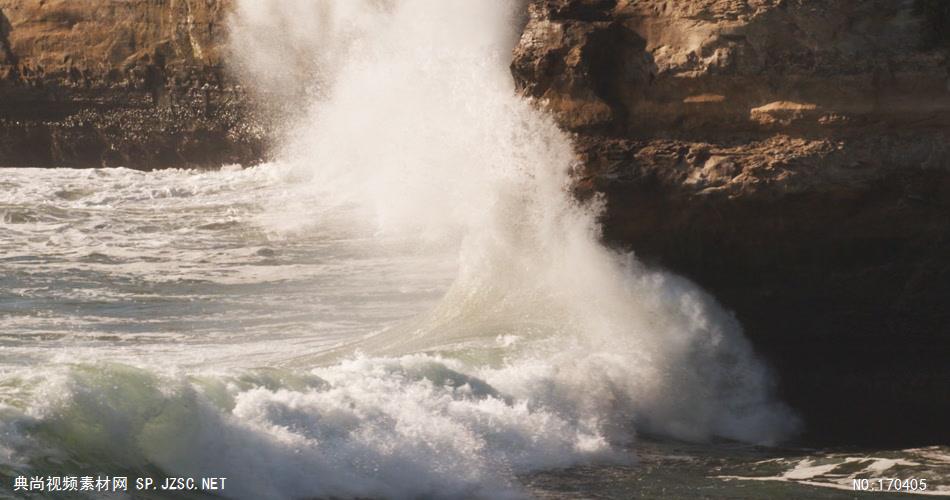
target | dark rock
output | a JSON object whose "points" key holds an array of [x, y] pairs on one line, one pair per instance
{"points": [[792, 157]]}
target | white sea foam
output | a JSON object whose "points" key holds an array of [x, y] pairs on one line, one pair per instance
{"points": [[421, 133], [917, 471], [416, 157]]}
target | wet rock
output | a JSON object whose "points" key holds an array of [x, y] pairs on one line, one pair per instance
{"points": [[792, 157]]}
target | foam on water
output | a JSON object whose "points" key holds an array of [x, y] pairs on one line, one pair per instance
{"points": [[919, 471], [410, 303], [396, 428], [421, 133]]}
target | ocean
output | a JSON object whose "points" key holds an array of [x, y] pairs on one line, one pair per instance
{"points": [[407, 303]]}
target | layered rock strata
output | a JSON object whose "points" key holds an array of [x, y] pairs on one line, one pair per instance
{"points": [[137, 83], [791, 156]]}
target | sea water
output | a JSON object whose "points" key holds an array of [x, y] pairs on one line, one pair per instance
{"points": [[408, 303]]}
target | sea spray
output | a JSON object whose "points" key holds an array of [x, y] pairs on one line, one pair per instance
{"points": [[415, 155], [422, 134]]}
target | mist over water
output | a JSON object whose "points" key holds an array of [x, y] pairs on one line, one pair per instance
{"points": [[422, 136], [409, 303]]}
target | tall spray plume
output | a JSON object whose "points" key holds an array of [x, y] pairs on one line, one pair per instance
{"points": [[414, 133]]}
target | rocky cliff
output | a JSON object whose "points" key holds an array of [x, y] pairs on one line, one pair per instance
{"points": [[138, 83], [792, 157]]}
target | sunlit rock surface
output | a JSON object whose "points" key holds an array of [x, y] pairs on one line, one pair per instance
{"points": [[790, 156], [120, 83]]}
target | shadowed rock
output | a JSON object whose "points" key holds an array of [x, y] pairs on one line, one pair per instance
{"points": [[792, 157]]}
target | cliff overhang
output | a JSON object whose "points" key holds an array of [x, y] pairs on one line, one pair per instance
{"points": [[792, 158]]}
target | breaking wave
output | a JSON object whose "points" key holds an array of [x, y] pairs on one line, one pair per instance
{"points": [[546, 350]]}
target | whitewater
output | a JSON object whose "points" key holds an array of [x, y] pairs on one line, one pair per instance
{"points": [[409, 303]]}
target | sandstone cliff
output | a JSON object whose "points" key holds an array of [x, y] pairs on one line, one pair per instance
{"points": [[133, 82], [792, 157]]}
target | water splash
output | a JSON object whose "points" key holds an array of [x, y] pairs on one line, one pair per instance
{"points": [[421, 135], [547, 350]]}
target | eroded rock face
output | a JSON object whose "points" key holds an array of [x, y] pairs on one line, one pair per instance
{"points": [[691, 66], [792, 157], [138, 83], [98, 37]]}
